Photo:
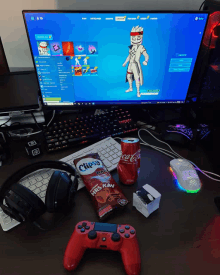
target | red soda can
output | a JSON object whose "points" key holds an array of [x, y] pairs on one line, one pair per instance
{"points": [[129, 164]]}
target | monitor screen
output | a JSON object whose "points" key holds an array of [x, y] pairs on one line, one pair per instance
{"points": [[93, 58], [19, 92]]}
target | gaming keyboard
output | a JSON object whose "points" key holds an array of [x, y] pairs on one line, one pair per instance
{"points": [[88, 128], [109, 151]]}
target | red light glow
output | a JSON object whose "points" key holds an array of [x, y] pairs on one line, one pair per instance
{"points": [[210, 37]]}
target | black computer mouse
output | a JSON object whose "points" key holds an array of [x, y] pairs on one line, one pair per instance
{"points": [[176, 139]]}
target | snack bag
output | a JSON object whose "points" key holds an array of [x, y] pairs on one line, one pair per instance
{"points": [[105, 192]]}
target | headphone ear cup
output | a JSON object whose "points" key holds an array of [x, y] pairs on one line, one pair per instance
{"points": [[58, 192], [12, 213], [25, 202]]}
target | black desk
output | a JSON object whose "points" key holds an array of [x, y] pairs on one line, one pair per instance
{"points": [[165, 237]]}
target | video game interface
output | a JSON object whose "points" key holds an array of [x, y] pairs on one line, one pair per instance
{"points": [[107, 58]]}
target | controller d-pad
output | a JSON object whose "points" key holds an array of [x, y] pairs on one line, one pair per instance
{"points": [[115, 237], [92, 235], [79, 226], [87, 227], [84, 224], [82, 230]]}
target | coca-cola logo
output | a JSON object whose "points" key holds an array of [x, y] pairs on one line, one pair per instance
{"points": [[131, 158]]}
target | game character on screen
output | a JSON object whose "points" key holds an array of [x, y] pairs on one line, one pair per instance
{"points": [[85, 61], [43, 48], [136, 49], [77, 61]]}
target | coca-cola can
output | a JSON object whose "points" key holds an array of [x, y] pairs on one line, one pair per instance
{"points": [[129, 164]]}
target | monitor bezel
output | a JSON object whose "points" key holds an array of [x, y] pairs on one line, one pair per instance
{"points": [[98, 106]]}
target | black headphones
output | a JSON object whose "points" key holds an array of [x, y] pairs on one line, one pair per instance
{"points": [[22, 204]]}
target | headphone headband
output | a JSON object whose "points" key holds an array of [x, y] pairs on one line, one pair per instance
{"points": [[18, 175]]}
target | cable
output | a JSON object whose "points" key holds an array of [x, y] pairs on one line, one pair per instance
{"points": [[154, 147], [201, 5], [31, 134], [207, 172], [35, 120], [51, 118], [159, 141], [175, 154]]}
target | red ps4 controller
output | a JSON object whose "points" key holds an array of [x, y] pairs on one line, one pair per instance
{"points": [[106, 236]]}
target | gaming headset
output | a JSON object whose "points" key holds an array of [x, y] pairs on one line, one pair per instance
{"points": [[21, 204]]}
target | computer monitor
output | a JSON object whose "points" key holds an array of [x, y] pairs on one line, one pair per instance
{"points": [[4, 69], [107, 58]]}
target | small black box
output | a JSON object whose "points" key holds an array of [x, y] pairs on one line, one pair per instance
{"points": [[33, 148]]}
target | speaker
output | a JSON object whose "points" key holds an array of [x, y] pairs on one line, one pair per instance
{"points": [[4, 69], [210, 86]]}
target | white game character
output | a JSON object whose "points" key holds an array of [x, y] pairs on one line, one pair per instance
{"points": [[43, 48], [85, 61], [134, 71], [77, 61]]}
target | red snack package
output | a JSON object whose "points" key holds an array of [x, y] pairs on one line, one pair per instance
{"points": [[105, 192]]}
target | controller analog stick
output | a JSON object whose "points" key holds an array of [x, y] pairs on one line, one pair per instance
{"points": [[115, 237], [92, 235]]}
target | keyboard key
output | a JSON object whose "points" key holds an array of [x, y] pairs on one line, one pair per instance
{"points": [[108, 150], [32, 181], [114, 156], [24, 182], [52, 140], [115, 161], [43, 193], [43, 187], [111, 153], [38, 184], [107, 163], [3, 215], [45, 176], [27, 184], [37, 191], [32, 187], [45, 181], [119, 154], [106, 155], [115, 150], [7, 220], [39, 178]]}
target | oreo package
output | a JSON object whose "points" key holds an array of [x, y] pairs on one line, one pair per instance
{"points": [[106, 194]]}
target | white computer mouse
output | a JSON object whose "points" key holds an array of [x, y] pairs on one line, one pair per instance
{"points": [[186, 175]]}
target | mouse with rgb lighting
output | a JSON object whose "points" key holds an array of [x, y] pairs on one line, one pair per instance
{"points": [[186, 175]]}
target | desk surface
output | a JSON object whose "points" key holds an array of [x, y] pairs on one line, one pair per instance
{"points": [[165, 237]]}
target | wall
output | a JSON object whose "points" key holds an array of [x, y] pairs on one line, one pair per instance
{"points": [[129, 4], [12, 30]]}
